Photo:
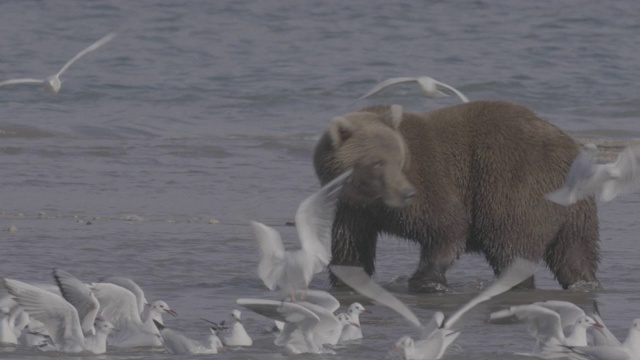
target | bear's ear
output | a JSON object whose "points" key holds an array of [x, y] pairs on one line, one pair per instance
{"points": [[393, 116], [340, 130]]}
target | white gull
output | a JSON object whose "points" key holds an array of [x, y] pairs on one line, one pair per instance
{"points": [[53, 83], [428, 85], [290, 271], [605, 181], [60, 318], [436, 337]]}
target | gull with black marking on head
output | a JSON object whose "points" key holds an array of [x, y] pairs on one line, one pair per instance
{"points": [[428, 85], [292, 270], [352, 330], [53, 83], [551, 329], [628, 350], [438, 334], [238, 335], [120, 306]]}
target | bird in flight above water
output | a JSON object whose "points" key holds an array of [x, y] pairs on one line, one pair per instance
{"points": [[53, 83]]}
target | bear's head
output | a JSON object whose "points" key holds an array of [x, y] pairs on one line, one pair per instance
{"points": [[370, 143]]}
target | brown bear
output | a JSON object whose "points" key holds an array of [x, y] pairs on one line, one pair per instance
{"points": [[465, 178]]}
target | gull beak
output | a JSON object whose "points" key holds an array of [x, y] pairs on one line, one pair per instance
{"points": [[147, 304], [354, 324], [597, 325], [367, 311], [172, 312], [394, 347]]}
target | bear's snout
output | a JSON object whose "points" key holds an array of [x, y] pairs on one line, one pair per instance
{"points": [[408, 194], [401, 197]]}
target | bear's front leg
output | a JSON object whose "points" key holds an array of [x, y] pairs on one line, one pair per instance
{"points": [[435, 260], [354, 238]]}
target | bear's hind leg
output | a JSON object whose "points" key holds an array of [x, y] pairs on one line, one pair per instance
{"points": [[573, 255]]}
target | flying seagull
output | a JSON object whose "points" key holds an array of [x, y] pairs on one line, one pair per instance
{"points": [[53, 83]]}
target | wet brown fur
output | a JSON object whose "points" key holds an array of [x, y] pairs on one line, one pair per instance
{"points": [[480, 171]]}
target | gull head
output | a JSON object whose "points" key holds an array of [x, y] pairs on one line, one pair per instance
{"points": [[5, 310], [103, 326], [357, 309], [52, 84], [235, 314], [162, 307], [344, 319], [586, 321], [404, 343]]}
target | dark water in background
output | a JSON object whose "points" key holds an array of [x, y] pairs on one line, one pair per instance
{"points": [[210, 110]]}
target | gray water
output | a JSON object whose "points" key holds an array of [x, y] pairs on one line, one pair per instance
{"points": [[202, 115]]}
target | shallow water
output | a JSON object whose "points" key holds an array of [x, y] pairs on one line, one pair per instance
{"points": [[200, 116]]}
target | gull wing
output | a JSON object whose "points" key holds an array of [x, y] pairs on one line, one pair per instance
{"points": [[272, 255], [582, 170], [78, 294], [380, 86], [568, 311], [356, 278], [602, 336], [176, 342], [278, 310], [328, 328], [625, 172], [454, 90], [600, 352], [437, 342], [117, 305], [58, 316], [320, 298], [105, 39], [129, 285], [314, 221], [21, 81], [517, 272], [544, 324]]}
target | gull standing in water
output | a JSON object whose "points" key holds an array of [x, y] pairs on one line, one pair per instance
{"points": [[353, 331], [606, 181], [290, 271], [628, 350], [569, 314], [545, 325], [53, 83], [60, 318], [436, 337], [238, 335], [119, 306], [428, 85]]}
